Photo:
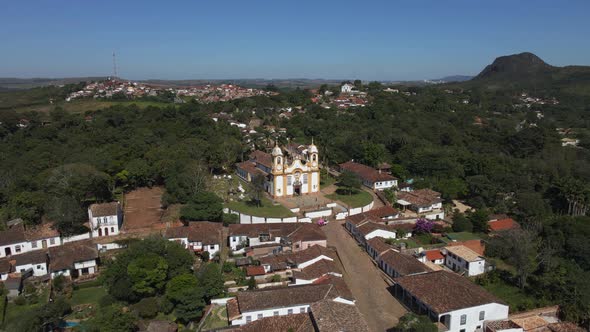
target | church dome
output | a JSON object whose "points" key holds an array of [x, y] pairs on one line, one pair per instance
{"points": [[313, 148]]}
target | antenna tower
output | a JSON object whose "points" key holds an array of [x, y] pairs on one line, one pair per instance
{"points": [[114, 65]]}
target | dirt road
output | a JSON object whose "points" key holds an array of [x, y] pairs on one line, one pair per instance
{"points": [[380, 309]]}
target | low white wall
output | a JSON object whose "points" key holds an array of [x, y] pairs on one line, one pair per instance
{"points": [[109, 246], [319, 213], [75, 238], [221, 301]]}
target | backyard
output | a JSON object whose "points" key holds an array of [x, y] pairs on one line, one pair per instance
{"points": [[216, 319]]}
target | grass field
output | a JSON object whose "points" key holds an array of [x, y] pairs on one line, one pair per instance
{"points": [[268, 209], [360, 198], [14, 312], [88, 295], [460, 236], [217, 318], [517, 299]]}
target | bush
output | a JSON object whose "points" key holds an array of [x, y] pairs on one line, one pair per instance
{"points": [[59, 283], [165, 305], [275, 278], [106, 301], [20, 300], [462, 224], [147, 308], [228, 267], [205, 256]]}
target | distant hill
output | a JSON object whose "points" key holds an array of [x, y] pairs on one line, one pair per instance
{"points": [[11, 83], [454, 78], [528, 71]]}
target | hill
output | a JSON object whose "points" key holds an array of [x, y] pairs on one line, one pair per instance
{"points": [[528, 71]]}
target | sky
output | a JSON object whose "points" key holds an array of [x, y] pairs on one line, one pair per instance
{"points": [[368, 40]]}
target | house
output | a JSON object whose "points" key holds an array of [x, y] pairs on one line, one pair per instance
{"points": [[13, 241], [105, 219], [43, 236], [313, 272], [73, 259], [249, 306], [385, 215], [297, 260], [535, 320], [370, 230], [450, 299], [34, 263], [294, 236], [464, 260], [255, 270], [424, 202], [370, 177], [396, 264], [433, 256], [376, 246], [476, 245], [347, 88], [198, 236], [323, 316]]}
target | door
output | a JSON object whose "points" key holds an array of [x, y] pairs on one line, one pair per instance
{"points": [[44, 244], [106, 231], [8, 251], [100, 232]]}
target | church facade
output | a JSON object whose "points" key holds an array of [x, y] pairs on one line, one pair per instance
{"points": [[292, 172]]}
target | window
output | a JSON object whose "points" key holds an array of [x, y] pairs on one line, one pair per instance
{"points": [[482, 315], [38, 267], [112, 229], [248, 319], [301, 310], [34, 244], [259, 316], [304, 178], [275, 313], [52, 241], [463, 319], [462, 330], [290, 311], [17, 248], [289, 180], [212, 247]]}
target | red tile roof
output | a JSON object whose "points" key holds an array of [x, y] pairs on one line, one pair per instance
{"points": [[502, 224], [433, 255], [262, 158], [476, 245], [365, 172], [255, 271]]}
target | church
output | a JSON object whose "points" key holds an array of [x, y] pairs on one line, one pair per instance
{"points": [[292, 172]]}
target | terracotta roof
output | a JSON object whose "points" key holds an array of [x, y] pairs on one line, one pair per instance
{"points": [[359, 219], [233, 310], [31, 257], [64, 256], [445, 291], [294, 323], [251, 168], [402, 263], [365, 172], [276, 262], [306, 233], [310, 253], [476, 245], [197, 231], [5, 266], [465, 253], [262, 158], [270, 298], [42, 231], [530, 323], [501, 325], [339, 285], [161, 326], [369, 227], [14, 234], [255, 271], [378, 244], [502, 224], [565, 327], [317, 269], [420, 198], [383, 212], [104, 209], [433, 255], [254, 230], [331, 316]]}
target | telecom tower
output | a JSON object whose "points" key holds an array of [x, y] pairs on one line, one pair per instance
{"points": [[114, 65]]}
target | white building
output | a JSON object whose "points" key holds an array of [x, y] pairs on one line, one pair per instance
{"points": [[105, 219], [18, 240], [370, 177], [424, 202], [250, 306], [33, 262], [454, 301], [198, 236], [464, 260], [73, 260], [396, 264], [295, 236], [347, 88]]}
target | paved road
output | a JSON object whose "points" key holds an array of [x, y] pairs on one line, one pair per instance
{"points": [[379, 307]]}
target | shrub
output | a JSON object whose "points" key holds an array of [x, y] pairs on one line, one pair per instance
{"points": [[59, 283], [20, 300], [227, 267], [106, 301], [147, 307], [275, 278], [205, 256]]}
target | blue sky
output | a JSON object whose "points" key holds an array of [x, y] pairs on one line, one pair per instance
{"points": [[383, 40]]}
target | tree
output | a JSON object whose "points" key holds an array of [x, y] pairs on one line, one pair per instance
{"points": [[461, 223], [349, 181], [258, 189], [79, 181], [479, 220], [391, 195], [424, 226], [110, 319], [67, 214], [203, 206], [44, 318], [147, 274], [187, 295], [147, 307], [251, 283], [411, 322], [373, 154], [211, 279]]}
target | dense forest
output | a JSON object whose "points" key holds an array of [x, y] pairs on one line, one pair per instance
{"points": [[496, 157]]}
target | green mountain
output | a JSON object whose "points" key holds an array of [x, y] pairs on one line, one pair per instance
{"points": [[528, 71]]}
